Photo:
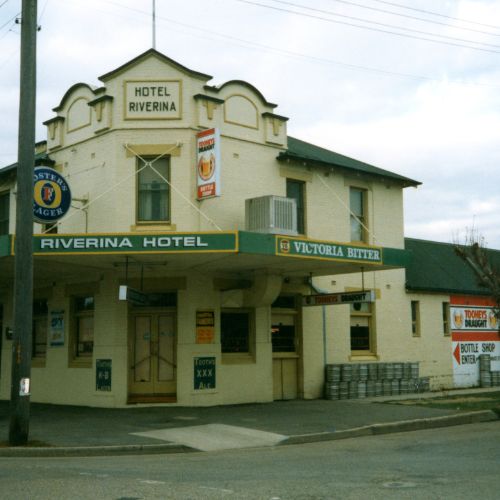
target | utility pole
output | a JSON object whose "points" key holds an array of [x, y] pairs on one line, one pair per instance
{"points": [[154, 24], [23, 277]]}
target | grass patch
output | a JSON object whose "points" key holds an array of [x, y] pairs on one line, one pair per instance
{"points": [[464, 402]]}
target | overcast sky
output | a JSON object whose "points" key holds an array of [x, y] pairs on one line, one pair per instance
{"points": [[412, 86]]}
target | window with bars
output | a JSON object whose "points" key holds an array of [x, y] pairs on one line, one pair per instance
{"points": [[236, 332]]}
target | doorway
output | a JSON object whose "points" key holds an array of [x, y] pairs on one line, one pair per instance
{"points": [[152, 353], [286, 349]]}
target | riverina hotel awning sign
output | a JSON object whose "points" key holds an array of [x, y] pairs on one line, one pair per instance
{"points": [[133, 243], [242, 242], [153, 99]]}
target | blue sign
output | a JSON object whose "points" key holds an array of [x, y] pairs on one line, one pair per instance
{"points": [[51, 195]]}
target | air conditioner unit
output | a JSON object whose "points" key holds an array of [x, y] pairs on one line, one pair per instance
{"points": [[271, 214]]}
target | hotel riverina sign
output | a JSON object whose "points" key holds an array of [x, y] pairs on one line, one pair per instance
{"points": [[152, 99]]}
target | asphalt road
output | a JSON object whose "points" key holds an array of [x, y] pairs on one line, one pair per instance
{"points": [[460, 462]]}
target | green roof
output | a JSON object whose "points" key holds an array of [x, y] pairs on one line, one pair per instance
{"points": [[40, 159], [304, 151], [435, 267]]}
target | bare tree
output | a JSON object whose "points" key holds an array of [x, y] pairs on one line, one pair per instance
{"points": [[475, 254]]}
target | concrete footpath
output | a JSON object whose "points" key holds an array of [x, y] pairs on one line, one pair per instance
{"points": [[70, 430]]}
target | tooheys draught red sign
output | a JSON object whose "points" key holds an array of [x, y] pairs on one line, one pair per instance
{"points": [[474, 331], [208, 163]]}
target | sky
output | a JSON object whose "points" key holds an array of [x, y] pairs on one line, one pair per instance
{"points": [[411, 86]]}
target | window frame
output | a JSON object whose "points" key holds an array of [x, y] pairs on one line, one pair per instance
{"points": [[239, 356], [360, 220], [300, 202], [370, 317], [40, 317], [77, 314], [5, 220], [168, 205], [415, 318]]}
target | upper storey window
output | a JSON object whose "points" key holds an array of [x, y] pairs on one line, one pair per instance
{"points": [[153, 191], [357, 204], [4, 213], [296, 190]]}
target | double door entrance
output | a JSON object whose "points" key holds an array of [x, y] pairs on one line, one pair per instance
{"points": [[152, 356]]}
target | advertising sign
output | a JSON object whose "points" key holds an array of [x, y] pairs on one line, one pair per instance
{"points": [[103, 375], [204, 373], [56, 332], [328, 299], [474, 331], [208, 163], [205, 327], [51, 195], [325, 250]]}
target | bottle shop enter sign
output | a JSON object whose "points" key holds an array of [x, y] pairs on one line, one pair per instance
{"points": [[474, 332]]}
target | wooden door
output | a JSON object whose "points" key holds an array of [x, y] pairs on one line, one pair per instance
{"points": [[153, 368]]}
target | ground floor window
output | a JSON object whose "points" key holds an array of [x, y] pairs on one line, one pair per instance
{"points": [[39, 335], [235, 328], [83, 327], [415, 318], [362, 327]]}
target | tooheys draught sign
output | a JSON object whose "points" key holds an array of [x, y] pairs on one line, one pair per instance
{"points": [[474, 331], [51, 195], [208, 163]]}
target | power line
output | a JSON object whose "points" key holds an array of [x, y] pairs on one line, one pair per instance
{"points": [[395, 4], [378, 30], [10, 20], [322, 11], [289, 53], [408, 16], [43, 10], [3, 3]]}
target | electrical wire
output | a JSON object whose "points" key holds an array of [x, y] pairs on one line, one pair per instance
{"points": [[348, 209], [431, 13], [408, 16], [149, 163], [43, 11], [289, 53], [379, 30], [411, 30], [10, 20]]}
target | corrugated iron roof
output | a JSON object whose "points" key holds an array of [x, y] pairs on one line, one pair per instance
{"points": [[304, 151], [436, 267]]}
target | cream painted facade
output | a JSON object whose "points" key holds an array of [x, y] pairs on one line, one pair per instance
{"points": [[95, 141]]}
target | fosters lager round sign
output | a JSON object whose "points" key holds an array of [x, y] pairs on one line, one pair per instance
{"points": [[51, 197]]}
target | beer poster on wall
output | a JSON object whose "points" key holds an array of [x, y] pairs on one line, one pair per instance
{"points": [[205, 327], [474, 331], [208, 163]]}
